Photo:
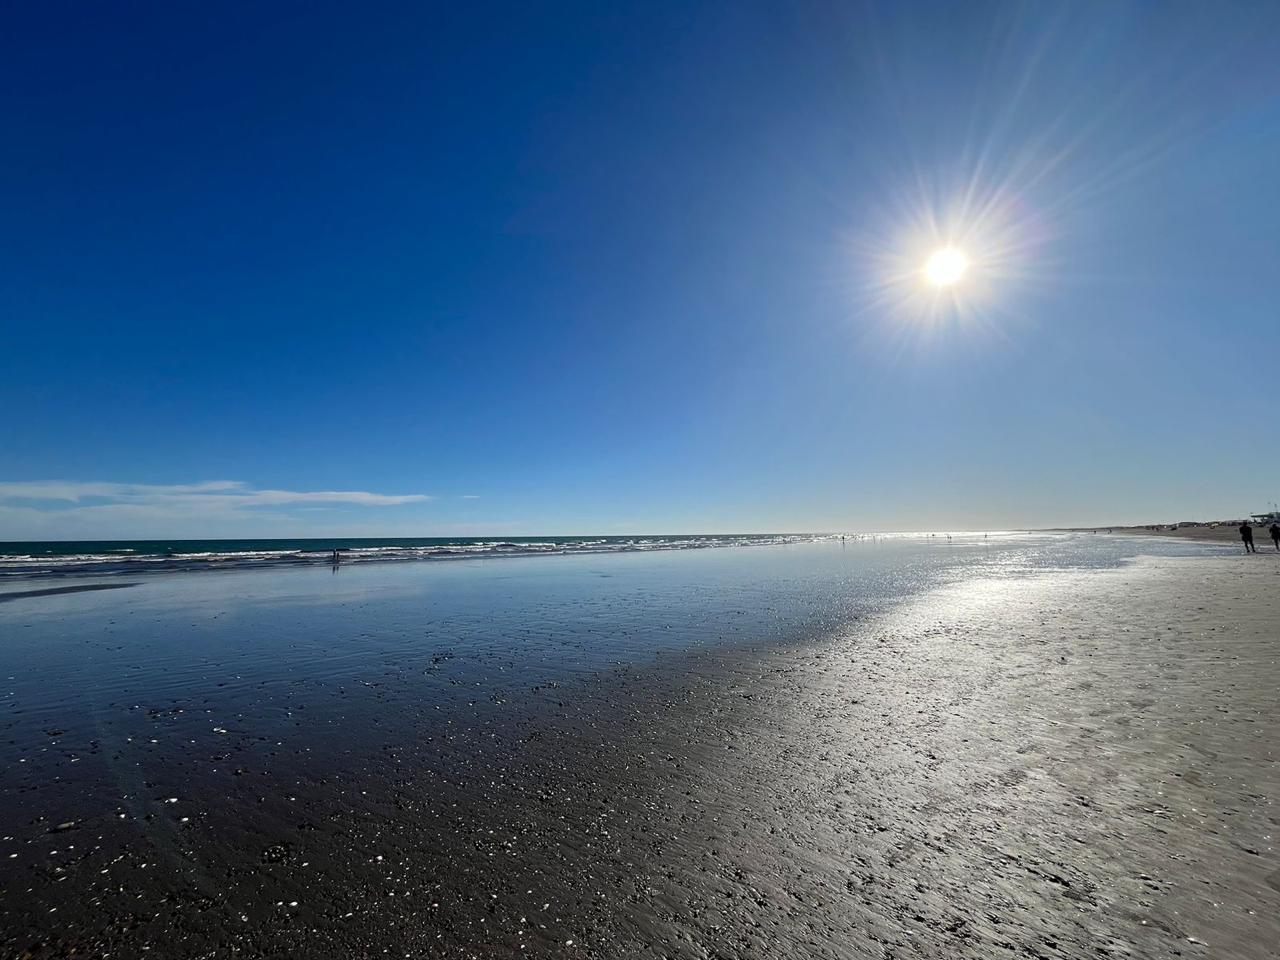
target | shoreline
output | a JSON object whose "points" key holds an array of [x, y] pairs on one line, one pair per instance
{"points": [[1043, 764], [268, 554], [139, 557]]}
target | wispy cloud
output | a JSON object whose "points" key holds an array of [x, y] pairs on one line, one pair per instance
{"points": [[227, 493], [76, 509]]}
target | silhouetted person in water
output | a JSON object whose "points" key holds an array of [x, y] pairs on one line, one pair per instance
{"points": [[1275, 534], [1246, 534]]}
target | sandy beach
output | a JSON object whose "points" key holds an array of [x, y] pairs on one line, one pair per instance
{"points": [[1223, 533], [1076, 764]]}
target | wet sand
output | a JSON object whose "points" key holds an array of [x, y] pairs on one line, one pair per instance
{"points": [[1079, 764], [10, 595]]}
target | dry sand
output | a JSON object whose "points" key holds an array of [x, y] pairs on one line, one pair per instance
{"points": [[1077, 765], [1224, 533]]}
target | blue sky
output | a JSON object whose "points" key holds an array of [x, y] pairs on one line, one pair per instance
{"points": [[402, 269]]}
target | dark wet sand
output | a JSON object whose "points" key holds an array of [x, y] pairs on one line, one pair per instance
{"points": [[56, 591], [1077, 765]]}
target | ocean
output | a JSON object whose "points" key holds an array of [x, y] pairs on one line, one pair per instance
{"points": [[61, 558]]}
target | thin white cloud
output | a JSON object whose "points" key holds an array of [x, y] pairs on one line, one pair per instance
{"points": [[76, 491], [81, 510], [223, 494]]}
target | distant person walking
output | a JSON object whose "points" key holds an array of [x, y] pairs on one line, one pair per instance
{"points": [[1246, 534], [1275, 534]]}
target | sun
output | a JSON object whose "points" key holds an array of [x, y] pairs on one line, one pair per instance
{"points": [[946, 267]]}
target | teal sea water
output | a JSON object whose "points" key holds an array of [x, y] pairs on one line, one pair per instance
{"points": [[35, 560], [61, 558]]}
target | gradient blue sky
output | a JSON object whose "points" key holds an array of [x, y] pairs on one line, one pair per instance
{"points": [[410, 269]]}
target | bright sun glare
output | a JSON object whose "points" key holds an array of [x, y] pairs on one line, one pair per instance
{"points": [[945, 267], [929, 266]]}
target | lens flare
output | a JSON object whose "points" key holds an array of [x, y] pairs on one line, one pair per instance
{"points": [[948, 262], [946, 267]]}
